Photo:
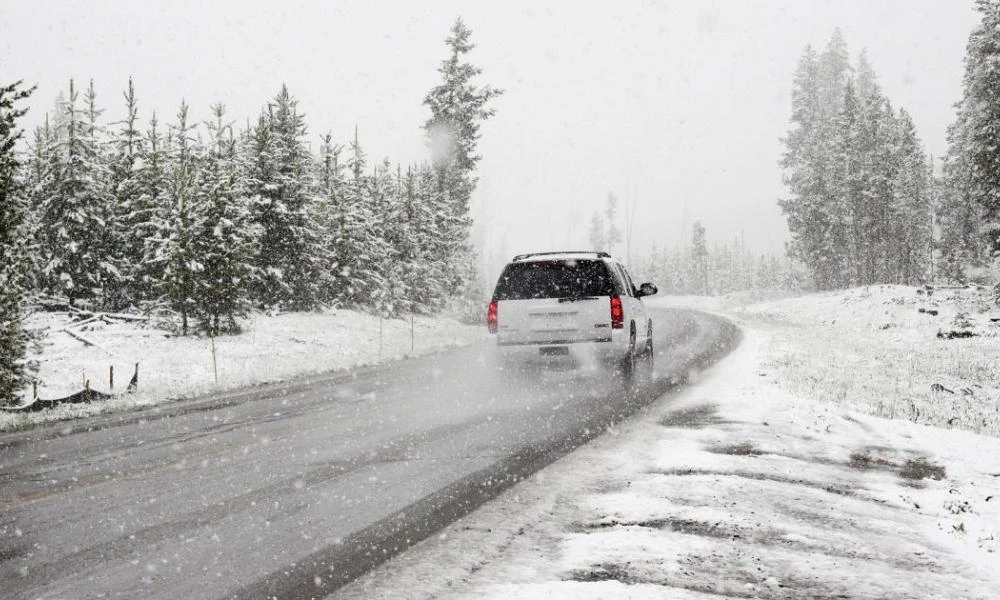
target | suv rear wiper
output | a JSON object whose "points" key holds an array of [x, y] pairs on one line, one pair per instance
{"points": [[561, 300]]}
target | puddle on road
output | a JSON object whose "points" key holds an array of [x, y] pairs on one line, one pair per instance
{"points": [[743, 449], [907, 465], [695, 417]]}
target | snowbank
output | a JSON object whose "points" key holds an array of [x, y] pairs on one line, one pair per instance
{"points": [[272, 348], [891, 351]]}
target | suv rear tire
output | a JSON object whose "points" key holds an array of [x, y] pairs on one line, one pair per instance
{"points": [[628, 361]]}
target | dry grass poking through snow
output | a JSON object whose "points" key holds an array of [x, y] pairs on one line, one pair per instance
{"points": [[890, 351]]}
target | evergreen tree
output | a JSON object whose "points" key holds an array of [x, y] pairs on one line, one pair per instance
{"points": [[149, 217], [15, 370], [972, 173], [913, 198], [176, 249], [330, 183], [223, 239], [959, 217], [982, 88], [699, 260], [434, 221], [358, 243], [388, 297], [73, 217], [834, 73], [811, 208], [290, 258], [40, 186], [125, 247], [458, 106], [858, 207]]}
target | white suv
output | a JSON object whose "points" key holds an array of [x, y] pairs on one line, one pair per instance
{"points": [[580, 304]]}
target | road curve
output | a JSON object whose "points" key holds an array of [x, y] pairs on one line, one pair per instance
{"points": [[292, 490]]}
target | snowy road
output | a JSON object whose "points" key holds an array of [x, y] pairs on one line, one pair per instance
{"points": [[291, 490]]}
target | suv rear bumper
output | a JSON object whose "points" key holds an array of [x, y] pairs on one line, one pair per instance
{"points": [[584, 352]]}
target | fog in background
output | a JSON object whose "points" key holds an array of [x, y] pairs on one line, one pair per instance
{"points": [[677, 106]]}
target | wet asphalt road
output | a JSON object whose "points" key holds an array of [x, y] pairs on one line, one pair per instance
{"points": [[292, 490]]}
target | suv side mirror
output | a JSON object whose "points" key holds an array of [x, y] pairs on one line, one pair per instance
{"points": [[647, 289]]}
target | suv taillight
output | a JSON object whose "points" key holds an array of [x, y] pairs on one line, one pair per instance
{"points": [[617, 313], [491, 316]]}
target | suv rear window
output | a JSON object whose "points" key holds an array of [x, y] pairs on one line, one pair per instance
{"points": [[554, 279]]}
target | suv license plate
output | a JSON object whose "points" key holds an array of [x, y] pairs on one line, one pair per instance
{"points": [[554, 351]]}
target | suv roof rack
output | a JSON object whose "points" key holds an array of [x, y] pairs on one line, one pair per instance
{"points": [[600, 254]]}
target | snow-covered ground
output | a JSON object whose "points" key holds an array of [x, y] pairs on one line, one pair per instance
{"points": [[771, 478], [271, 348]]}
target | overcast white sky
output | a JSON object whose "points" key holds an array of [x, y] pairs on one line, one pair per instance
{"points": [[679, 104]]}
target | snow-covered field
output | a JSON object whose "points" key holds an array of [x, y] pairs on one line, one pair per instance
{"points": [[764, 481], [891, 351], [271, 348]]}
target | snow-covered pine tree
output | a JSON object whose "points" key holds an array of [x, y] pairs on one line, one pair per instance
{"points": [[699, 260], [223, 237], [845, 158], [179, 223], [39, 187], [974, 152], [150, 212], [423, 276], [912, 191], [354, 219], [848, 217], [389, 297], [872, 161], [958, 216], [290, 260], [434, 222], [358, 244], [125, 247], [458, 106], [15, 370], [110, 236], [833, 75], [73, 216], [411, 255], [837, 117], [807, 162], [329, 190]]}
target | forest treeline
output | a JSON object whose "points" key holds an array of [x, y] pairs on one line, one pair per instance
{"points": [[860, 203], [204, 220], [865, 203], [209, 221], [716, 269], [697, 267]]}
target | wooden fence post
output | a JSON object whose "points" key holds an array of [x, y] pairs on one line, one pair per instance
{"points": [[215, 367]]}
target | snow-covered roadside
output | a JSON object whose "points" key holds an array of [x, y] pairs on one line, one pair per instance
{"points": [[739, 487], [271, 348], [904, 352]]}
